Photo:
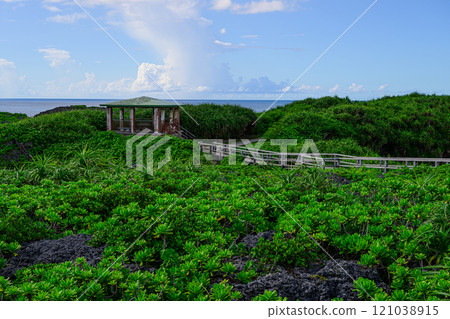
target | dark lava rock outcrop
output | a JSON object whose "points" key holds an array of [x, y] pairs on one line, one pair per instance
{"points": [[250, 241], [319, 283], [336, 179], [53, 251]]}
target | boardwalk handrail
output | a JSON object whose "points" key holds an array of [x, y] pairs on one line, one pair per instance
{"points": [[184, 133], [326, 160]]}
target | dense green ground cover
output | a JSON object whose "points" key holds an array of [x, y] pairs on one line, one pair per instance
{"points": [[398, 224], [11, 117], [192, 219]]}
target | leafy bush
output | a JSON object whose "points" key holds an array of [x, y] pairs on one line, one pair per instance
{"points": [[56, 131], [217, 121], [411, 125], [211, 121], [6, 117]]}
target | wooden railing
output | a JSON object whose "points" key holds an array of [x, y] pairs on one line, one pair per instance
{"points": [[184, 133], [326, 160], [125, 125]]}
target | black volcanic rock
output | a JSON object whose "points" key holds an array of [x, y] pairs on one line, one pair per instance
{"points": [[318, 283], [53, 251]]}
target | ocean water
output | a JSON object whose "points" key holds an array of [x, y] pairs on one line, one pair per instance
{"points": [[31, 107]]}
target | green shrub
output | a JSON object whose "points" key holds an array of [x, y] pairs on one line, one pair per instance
{"points": [[411, 125]]}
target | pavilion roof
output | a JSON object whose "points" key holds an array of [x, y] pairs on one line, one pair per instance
{"points": [[143, 101]]}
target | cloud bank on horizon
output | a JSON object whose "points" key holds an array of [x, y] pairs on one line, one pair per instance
{"points": [[210, 49]]}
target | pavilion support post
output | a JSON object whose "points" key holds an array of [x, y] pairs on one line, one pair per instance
{"points": [[162, 126], [133, 120], [157, 120], [171, 123], [121, 118], [109, 119], [176, 119]]}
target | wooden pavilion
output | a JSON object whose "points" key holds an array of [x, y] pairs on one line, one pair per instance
{"points": [[166, 116]]}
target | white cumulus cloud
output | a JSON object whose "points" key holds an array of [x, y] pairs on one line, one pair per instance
{"points": [[334, 88], [87, 87], [183, 39], [52, 8], [152, 77], [68, 18], [251, 7], [356, 88], [225, 44], [222, 4], [56, 57], [178, 32], [262, 85], [10, 81], [307, 88], [5, 64], [202, 88], [382, 87]]}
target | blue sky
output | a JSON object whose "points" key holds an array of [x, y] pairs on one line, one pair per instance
{"points": [[223, 49]]}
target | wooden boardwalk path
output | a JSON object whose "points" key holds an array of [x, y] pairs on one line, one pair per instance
{"points": [[325, 160]]}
